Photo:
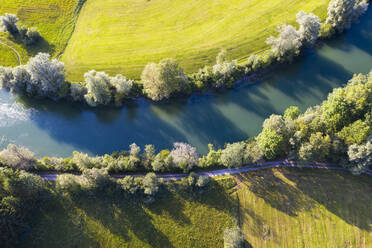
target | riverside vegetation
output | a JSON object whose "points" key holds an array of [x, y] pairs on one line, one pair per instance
{"points": [[338, 131], [42, 77]]}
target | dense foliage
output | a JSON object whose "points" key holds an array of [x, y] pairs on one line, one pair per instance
{"points": [[42, 77], [339, 131]]}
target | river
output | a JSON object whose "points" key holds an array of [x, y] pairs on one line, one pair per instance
{"points": [[57, 129]]}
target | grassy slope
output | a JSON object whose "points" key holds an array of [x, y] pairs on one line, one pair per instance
{"points": [[306, 209], [122, 36], [7, 58], [175, 220], [54, 19]]}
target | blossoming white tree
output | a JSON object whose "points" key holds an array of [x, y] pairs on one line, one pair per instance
{"points": [[184, 155]]}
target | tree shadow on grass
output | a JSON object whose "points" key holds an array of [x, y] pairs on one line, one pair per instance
{"points": [[167, 203], [56, 226], [353, 205], [41, 45], [279, 194], [121, 216]]}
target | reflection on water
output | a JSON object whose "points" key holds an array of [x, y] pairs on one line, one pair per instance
{"points": [[11, 113], [56, 129]]}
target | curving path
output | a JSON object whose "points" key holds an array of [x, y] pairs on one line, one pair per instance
{"points": [[15, 52], [222, 172]]}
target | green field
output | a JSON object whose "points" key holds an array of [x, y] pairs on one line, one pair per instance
{"points": [[7, 58], [306, 209], [277, 208], [176, 219], [55, 20], [122, 36]]}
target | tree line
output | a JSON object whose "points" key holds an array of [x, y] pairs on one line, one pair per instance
{"points": [[45, 78]]}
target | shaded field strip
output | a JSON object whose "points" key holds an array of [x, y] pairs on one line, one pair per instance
{"points": [[15, 52], [232, 171]]}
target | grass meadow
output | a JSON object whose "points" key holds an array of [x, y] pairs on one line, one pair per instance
{"points": [[275, 208], [123, 36], [55, 20], [292, 208]]}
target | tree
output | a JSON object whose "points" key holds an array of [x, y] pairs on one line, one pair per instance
{"points": [[129, 185], [223, 70], [287, 44], [252, 153], [98, 88], [150, 184], [355, 133], [233, 238], [47, 76], [18, 157], [184, 155], [134, 150], [30, 36], [148, 156], [68, 183], [271, 143], [318, 148], [277, 123], [341, 13], [360, 157], [233, 155], [292, 113], [122, 87], [83, 161], [9, 23], [77, 92], [95, 178], [163, 79], [14, 79], [309, 27]]}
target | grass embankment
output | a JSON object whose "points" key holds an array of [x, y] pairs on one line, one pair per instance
{"points": [[55, 20], [123, 36], [292, 208], [176, 219]]}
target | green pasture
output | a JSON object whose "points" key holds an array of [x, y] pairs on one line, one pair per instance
{"points": [[122, 36]]}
